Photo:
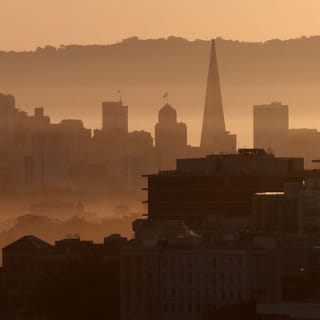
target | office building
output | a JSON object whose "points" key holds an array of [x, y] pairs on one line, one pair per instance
{"points": [[170, 138], [114, 117], [169, 282], [296, 210], [270, 127], [216, 191]]}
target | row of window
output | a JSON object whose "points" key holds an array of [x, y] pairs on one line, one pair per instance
{"points": [[186, 261], [202, 261], [206, 295], [182, 294], [203, 279]]}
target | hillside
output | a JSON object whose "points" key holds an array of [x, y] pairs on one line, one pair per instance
{"points": [[71, 81]]}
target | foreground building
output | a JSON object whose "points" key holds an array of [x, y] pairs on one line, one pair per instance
{"points": [[72, 279], [215, 192], [176, 278], [171, 282], [295, 210]]}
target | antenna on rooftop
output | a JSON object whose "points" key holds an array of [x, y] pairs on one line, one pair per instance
{"points": [[119, 94]]}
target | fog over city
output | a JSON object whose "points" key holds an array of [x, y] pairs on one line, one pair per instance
{"points": [[159, 160]]}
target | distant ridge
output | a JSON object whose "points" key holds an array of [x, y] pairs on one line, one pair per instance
{"points": [[73, 80], [137, 61]]}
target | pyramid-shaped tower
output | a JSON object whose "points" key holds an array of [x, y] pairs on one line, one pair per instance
{"points": [[214, 137]]}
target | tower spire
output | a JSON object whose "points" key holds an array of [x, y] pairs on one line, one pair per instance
{"points": [[213, 125]]}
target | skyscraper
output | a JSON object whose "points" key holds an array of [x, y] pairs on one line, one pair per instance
{"points": [[170, 134], [170, 138], [115, 117], [271, 127], [214, 137], [7, 119]]}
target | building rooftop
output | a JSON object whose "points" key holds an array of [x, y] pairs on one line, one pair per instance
{"points": [[28, 243]]}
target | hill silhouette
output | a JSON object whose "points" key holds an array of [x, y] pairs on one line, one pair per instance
{"points": [[72, 81]]}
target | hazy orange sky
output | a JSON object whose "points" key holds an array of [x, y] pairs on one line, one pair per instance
{"points": [[26, 24]]}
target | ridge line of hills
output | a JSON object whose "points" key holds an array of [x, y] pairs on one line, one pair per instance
{"points": [[72, 81]]}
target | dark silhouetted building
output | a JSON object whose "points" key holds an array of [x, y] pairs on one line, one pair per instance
{"points": [[141, 159], [214, 137], [114, 116], [271, 132], [7, 113], [78, 139], [275, 212], [270, 127], [304, 143], [170, 137], [72, 279], [39, 123], [187, 280], [296, 210], [216, 192]]}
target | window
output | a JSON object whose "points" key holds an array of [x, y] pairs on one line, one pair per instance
{"points": [[181, 293], [164, 276], [164, 293]]}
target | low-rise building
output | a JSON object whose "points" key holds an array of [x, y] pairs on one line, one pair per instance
{"points": [[188, 281]]}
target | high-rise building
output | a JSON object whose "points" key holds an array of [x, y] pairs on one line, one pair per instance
{"points": [[214, 137], [270, 127], [115, 117], [170, 134], [304, 143], [77, 137], [39, 123], [7, 113], [170, 137], [139, 158], [50, 162]]}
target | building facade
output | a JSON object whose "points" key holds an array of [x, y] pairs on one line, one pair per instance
{"points": [[216, 192]]}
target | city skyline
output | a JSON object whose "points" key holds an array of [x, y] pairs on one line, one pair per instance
{"points": [[159, 160]]}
